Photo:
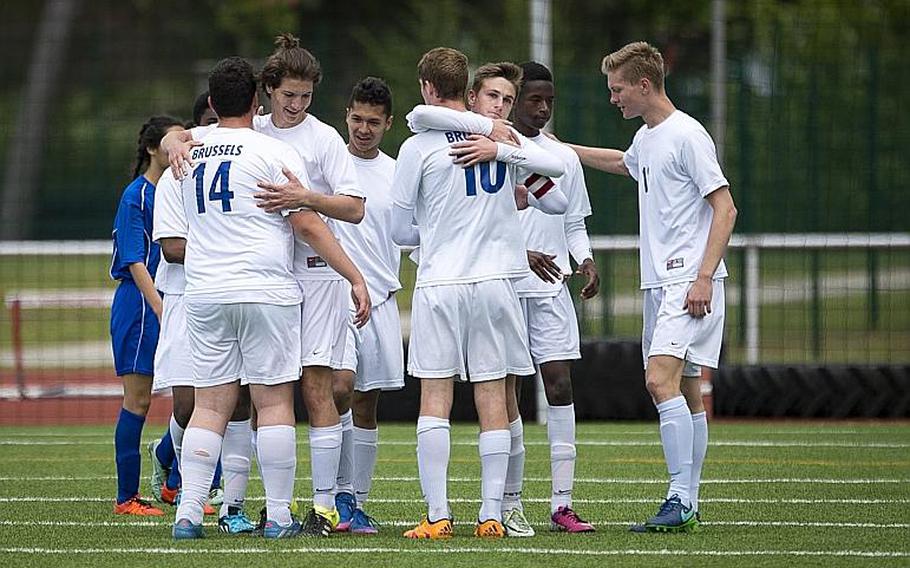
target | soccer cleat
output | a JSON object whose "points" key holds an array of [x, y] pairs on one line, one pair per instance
{"points": [[361, 523], [216, 497], [441, 529], [160, 472], [273, 530], [672, 517], [186, 530], [567, 520], [345, 505], [317, 524], [206, 508], [516, 524], [236, 522], [137, 506], [170, 496], [490, 528]]}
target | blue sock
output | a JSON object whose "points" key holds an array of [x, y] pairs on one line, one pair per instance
{"points": [[173, 480], [165, 450], [127, 438], [216, 481]]}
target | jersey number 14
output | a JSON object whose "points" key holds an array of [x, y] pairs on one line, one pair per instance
{"points": [[219, 189]]}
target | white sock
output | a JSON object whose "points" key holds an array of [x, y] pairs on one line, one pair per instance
{"points": [[676, 437], [344, 481], [235, 463], [325, 453], [699, 449], [278, 462], [366, 444], [511, 498], [201, 449], [433, 448], [561, 433], [177, 438], [493, 446]]}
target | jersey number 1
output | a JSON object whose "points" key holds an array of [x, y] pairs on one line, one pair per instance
{"points": [[218, 191], [470, 178]]}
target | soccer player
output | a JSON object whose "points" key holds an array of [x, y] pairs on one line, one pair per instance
{"points": [[548, 309], [686, 216], [373, 356], [136, 309], [465, 318], [242, 300]]}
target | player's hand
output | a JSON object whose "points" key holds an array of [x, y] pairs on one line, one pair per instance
{"points": [[502, 132], [178, 155], [475, 150], [290, 195], [543, 266], [592, 286], [362, 306], [698, 298], [521, 197]]}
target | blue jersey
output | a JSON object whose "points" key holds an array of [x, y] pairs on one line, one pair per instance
{"points": [[132, 233]]}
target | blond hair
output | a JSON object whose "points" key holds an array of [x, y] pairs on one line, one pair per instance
{"points": [[505, 69], [636, 61], [447, 70]]}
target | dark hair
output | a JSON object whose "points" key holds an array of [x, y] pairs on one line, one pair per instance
{"points": [[289, 60], [150, 136], [447, 70], [199, 107], [534, 71], [232, 87], [372, 91]]}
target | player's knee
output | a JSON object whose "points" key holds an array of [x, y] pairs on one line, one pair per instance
{"points": [[138, 403], [562, 452], [342, 394], [659, 388], [559, 390]]}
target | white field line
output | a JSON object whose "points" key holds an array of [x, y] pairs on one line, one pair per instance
{"points": [[463, 550], [43, 499], [593, 443], [583, 480], [408, 523]]}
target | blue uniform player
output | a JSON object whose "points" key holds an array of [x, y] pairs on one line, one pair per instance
{"points": [[136, 309]]}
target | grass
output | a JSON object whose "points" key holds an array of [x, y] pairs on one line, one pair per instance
{"points": [[773, 494]]}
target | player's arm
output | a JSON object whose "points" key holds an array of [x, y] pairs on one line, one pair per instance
{"points": [[551, 202], [130, 237], [405, 188], [169, 224], [177, 144], [404, 231], [293, 194], [173, 249], [428, 117], [604, 159], [312, 229], [698, 299], [146, 286], [579, 245]]}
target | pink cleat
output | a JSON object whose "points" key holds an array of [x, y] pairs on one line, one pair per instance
{"points": [[567, 520]]}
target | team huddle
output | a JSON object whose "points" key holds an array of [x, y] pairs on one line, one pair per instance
{"points": [[275, 249]]}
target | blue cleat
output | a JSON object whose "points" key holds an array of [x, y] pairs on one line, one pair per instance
{"points": [[673, 517], [186, 530], [362, 523], [273, 530], [345, 504], [236, 522]]}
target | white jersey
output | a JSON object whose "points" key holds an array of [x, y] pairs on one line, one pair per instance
{"points": [[547, 233], [469, 229], [331, 171], [169, 221], [369, 243], [236, 252], [675, 165]]}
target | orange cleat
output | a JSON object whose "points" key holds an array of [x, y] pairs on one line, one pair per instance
{"points": [[137, 506], [439, 530], [208, 509], [489, 529], [168, 495]]}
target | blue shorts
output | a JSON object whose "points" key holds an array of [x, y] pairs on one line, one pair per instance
{"points": [[134, 331]]}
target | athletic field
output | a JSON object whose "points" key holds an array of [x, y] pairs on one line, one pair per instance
{"points": [[774, 493]]}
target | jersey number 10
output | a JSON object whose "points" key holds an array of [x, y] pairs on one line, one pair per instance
{"points": [[218, 191], [470, 178]]}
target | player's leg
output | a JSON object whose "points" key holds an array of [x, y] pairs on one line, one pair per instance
{"points": [[513, 518], [366, 446], [235, 463], [183, 402], [494, 443], [127, 440], [691, 389], [343, 392]]}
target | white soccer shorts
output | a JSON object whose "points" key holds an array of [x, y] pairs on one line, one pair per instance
{"points": [[552, 327], [256, 343], [173, 361], [669, 329], [324, 321], [375, 352], [473, 331]]}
